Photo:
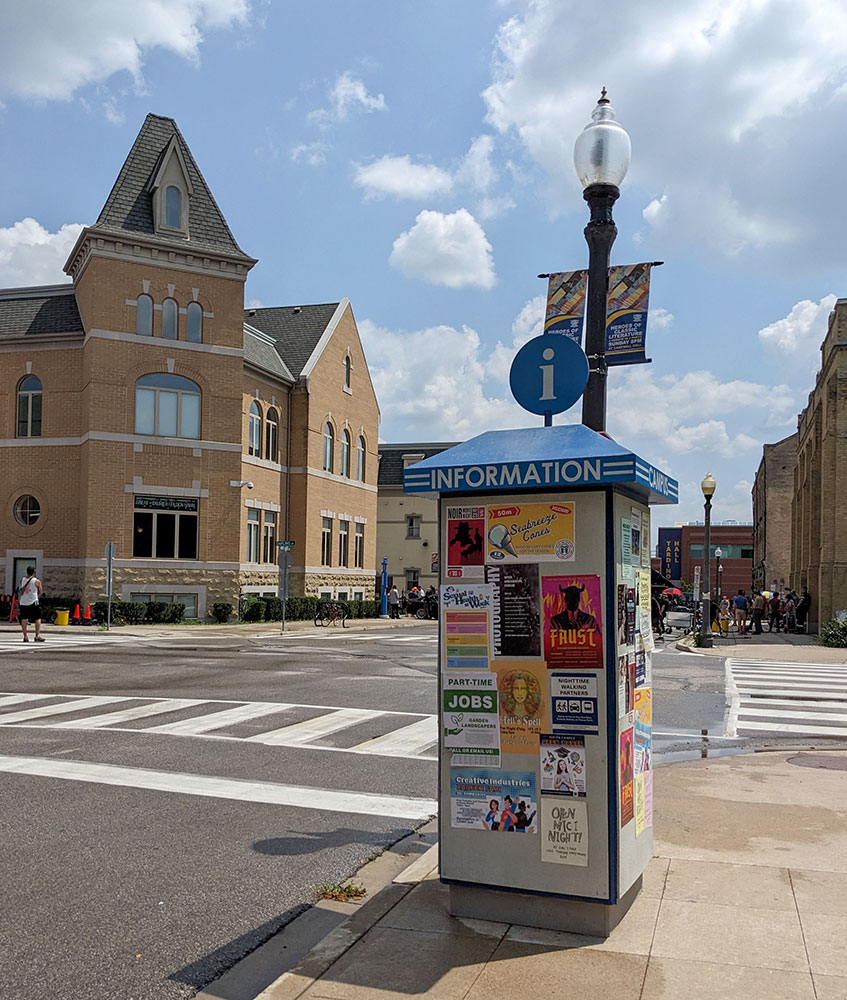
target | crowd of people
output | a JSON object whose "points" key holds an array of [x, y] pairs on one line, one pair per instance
{"points": [[411, 602], [787, 611]]}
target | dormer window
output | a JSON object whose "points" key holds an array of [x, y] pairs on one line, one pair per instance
{"points": [[173, 200]]}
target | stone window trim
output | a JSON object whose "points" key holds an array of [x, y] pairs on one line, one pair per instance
{"points": [[29, 401], [413, 525]]}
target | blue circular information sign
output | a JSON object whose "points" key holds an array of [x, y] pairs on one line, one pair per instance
{"points": [[549, 374]]}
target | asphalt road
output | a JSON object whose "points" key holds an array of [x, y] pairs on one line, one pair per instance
{"points": [[129, 891], [144, 859]]}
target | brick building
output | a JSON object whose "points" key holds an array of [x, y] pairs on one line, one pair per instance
{"points": [[681, 549], [137, 403], [819, 506], [407, 525], [773, 488]]}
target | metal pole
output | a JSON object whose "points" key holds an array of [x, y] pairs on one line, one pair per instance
{"points": [[383, 606], [706, 626], [600, 234]]}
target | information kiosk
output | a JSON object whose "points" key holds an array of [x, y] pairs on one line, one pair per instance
{"points": [[546, 775]]}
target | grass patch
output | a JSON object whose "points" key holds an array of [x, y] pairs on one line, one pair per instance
{"points": [[343, 893]]}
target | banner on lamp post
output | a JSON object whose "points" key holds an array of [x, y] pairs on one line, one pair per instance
{"points": [[566, 303], [626, 314]]}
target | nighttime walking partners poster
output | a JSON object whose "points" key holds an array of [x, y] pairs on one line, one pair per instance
{"points": [[516, 613], [465, 542], [466, 625], [573, 622], [471, 722]]}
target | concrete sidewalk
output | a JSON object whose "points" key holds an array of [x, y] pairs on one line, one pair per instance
{"points": [[767, 646], [746, 897]]}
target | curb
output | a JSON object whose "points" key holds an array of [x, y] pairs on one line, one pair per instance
{"points": [[288, 963]]}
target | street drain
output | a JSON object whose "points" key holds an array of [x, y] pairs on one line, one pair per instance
{"points": [[816, 760]]}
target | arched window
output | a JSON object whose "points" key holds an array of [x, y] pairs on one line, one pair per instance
{"points": [[29, 407], [167, 405], [360, 459], [329, 440], [144, 316], [347, 372], [272, 436], [170, 319], [345, 454], [172, 207], [194, 323], [254, 430]]}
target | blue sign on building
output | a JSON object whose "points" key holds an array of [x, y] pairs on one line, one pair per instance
{"points": [[670, 552]]}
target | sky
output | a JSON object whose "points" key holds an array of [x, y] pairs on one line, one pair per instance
{"points": [[418, 160]]}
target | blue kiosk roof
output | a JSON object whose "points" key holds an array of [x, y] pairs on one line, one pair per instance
{"points": [[536, 458]]}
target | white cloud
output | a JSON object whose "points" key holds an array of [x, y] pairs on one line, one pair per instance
{"points": [[346, 95], [313, 153], [659, 318], [448, 250], [730, 105], [803, 329], [50, 48], [30, 255], [399, 177], [476, 169], [490, 208]]}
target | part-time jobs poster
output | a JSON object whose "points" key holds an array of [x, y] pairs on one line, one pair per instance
{"points": [[531, 532], [466, 617], [573, 622]]}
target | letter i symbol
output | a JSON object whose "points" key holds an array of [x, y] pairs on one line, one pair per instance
{"points": [[547, 376]]}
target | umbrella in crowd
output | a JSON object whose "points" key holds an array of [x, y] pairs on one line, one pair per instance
{"points": [[672, 591]]}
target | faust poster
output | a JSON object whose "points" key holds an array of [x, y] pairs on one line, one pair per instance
{"points": [[573, 622]]}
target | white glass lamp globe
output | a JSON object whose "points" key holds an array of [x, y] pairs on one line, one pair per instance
{"points": [[602, 150]]}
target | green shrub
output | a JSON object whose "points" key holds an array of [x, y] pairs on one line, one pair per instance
{"points": [[253, 609], [157, 612], [833, 633], [273, 609], [300, 609], [222, 612], [175, 613]]}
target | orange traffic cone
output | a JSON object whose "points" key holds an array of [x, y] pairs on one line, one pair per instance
{"points": [[87, 618], [75, 615], [15, 603]]}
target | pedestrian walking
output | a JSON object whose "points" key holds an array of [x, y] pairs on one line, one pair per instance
{"points": [[394, 601], [774, 605], [802, 612], [789, 618], [758, 613], [29, 598], [741, 604]]}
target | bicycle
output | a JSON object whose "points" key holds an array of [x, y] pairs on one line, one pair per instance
{"points": [[332, 613]]}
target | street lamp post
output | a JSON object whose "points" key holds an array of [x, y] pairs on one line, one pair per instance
{"points": [[601, 157], [718, 571], [708, 487]]}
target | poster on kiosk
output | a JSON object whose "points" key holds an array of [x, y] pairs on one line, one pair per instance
{"points": [[546, 781]]}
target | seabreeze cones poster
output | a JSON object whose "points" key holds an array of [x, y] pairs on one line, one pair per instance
{"points": [[573, 622]]}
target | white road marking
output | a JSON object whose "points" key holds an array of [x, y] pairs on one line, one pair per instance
{"points": [[17, 699], [411, 739], [220, 720], [45, 711], [786, 697], [312, 729], [299, 797], [130, 714]]}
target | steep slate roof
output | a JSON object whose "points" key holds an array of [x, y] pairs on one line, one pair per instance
{"points": [[31, 316], [263, 355], [391, 459], [129, 207], [295, 330]]}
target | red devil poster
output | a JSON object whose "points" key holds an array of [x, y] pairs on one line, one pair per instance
{"points": [[573, 622]]}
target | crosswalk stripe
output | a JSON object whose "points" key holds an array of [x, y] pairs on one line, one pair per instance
{"points": [[806, 730], [17, 699], [300, 797], [409, 740], [45, 711], [130, 714], [796, 702], [219, 720], [312, 729], [795, 714]]}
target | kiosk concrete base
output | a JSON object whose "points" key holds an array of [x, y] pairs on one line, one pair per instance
{"points": [[554, 913]]}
